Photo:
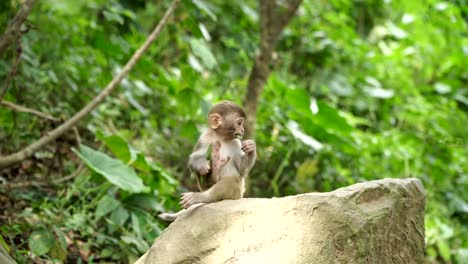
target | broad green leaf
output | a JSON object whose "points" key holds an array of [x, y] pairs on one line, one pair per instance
{"points": [[76, 221], [58, 251], [61, 237], [205, 7], [119, 216], [329, 118], [299, 99], [310, 127], [113, 17], [201, 50], [374, 89], [378, 92], [189, 130], [444, 249], [442, 88], [306, 139], [144, 201], [106, 252], [142, 163], [106, 205], [141, 244], [136, 225], [115, 171], [340, 85], [462, 255], [41, 242], [118, 146], [171, 180], [4, 244]]}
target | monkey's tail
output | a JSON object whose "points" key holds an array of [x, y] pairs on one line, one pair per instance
{"points": [[172, 217]]}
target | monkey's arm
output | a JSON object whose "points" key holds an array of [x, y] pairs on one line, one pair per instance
{"points": [[250, 149], [197, 160]]}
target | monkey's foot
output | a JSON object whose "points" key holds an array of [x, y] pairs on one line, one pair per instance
{"points": [[188, 199]]}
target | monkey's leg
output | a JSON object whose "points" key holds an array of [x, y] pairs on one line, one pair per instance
{"points": [[226, 188], [191, 198]]}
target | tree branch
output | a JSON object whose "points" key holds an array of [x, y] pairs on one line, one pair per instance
{"points": [[272, 22], [12, 32], [23, 109], [8, 160]]}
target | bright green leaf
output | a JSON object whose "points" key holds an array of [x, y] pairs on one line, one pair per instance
{"points": [[299, 99], [329, 118], [119, 216], [444, 249], [118, 146], [115, 171], [205, 7], [106, 205], [41, 242], [201, 50]]}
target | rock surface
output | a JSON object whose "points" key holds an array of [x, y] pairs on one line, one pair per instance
{"points": [[373, 222]]}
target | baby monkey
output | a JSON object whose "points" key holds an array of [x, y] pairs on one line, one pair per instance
{"points": [[231, 159]]}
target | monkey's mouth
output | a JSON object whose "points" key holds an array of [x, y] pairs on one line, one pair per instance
{"points": [[238, 136]]}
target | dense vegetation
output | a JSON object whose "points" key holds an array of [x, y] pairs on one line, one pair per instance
{"points": [[361, 90]]}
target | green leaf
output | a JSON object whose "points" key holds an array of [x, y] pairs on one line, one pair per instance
{"points": [[118, 146], [61, 237], [299, 99], [142, 163], [113, 17], [138, 242], [442, 88], [4, 244], [58, 252], [205, 8], [189, 130], [444, 250], [201, 50], [119, 216], [329, 118], [115, 171], [41, 242], [144, 201], [136, 225], [106, 205], [76, 221], [171, 180]]}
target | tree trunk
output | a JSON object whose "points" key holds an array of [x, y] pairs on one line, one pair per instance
{"points": [[272, 22]]}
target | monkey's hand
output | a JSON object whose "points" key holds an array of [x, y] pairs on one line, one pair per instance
{"points": [[203, 167], [248, 146], [190, 198]]}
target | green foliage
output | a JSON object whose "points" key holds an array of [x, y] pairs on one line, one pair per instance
{"points": [[114, 170], [361, 90], [100, 213]]}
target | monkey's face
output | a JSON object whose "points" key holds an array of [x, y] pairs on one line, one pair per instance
{"points": [[227, 120], [238, 128], [230, 126]]}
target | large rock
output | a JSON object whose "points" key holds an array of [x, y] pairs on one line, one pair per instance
{"points": [[373, 222]]}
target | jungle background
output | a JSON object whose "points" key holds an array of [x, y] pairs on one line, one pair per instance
{"points": [[358, 90]]}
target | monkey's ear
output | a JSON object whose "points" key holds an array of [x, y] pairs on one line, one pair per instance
{"points": [[215, 120]]}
